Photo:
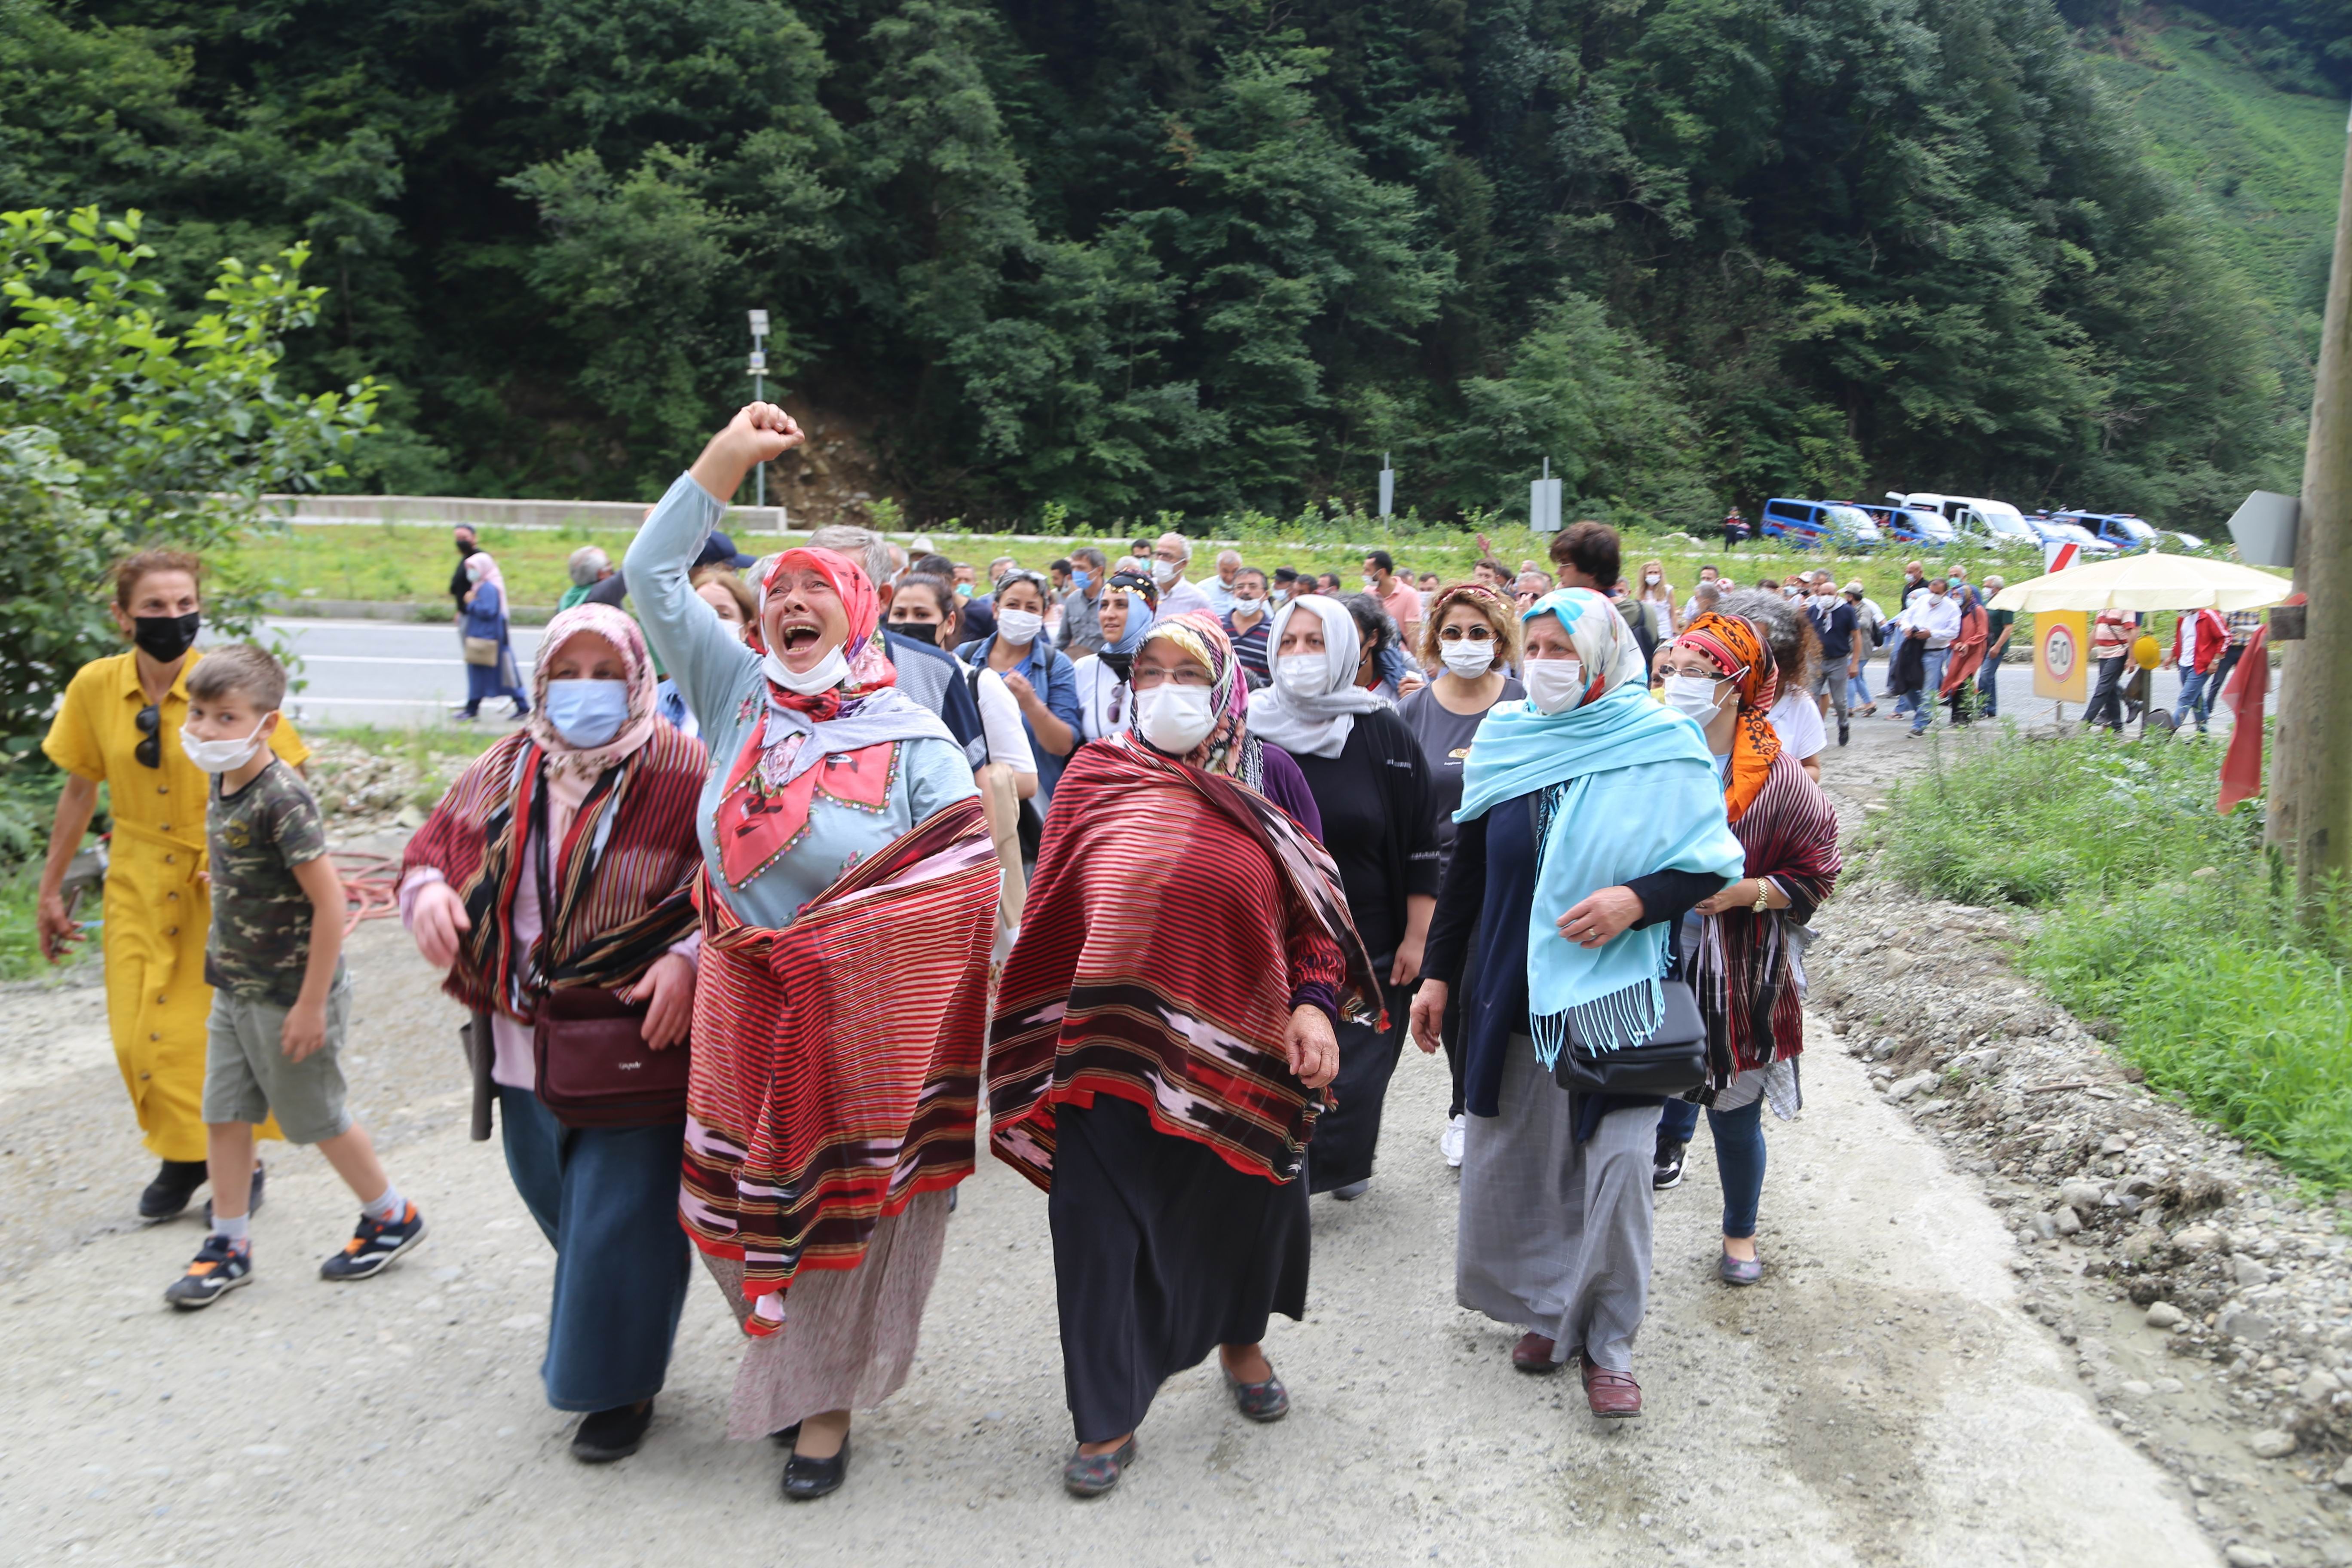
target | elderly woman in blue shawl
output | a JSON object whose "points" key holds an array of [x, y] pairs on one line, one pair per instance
{"points": [[1591, 821]]}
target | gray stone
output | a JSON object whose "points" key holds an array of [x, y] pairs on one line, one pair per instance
{"points": [[2113, 1144], [1897, 963], [2319, 1385], [2272, 1443], [2066, 1220], [2044, 1226], [2080, 1195], [2250, 1272], [1905, 1087], [2244, 1556], [2200, 1239], [2241, 1323], [2163, 1315], [2343, 1477]]}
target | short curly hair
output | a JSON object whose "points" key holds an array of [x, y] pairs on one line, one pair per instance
{"points": [[1497, 611]]}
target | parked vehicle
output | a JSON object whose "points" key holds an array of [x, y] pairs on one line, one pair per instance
{"points": [[1997, 525], [1807, 524], [2060, 531], [1911, 525], [2129, 533]]}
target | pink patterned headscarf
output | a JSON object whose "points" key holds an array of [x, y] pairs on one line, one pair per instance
{"points": [[614, 627]]}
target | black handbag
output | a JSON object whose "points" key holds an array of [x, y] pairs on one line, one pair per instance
{"points": [[594, 1069], [1672, 1061]]}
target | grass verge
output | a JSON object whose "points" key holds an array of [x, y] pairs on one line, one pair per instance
{"points": [[2161, 917]]}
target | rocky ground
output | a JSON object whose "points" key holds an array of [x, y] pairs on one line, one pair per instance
{"points": [[1951, 1360]]}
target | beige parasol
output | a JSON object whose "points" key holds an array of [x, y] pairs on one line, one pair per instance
{"points": [[2148, 582]]}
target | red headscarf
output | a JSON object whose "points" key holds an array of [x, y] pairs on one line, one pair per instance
{"points": [[764, 809], [1736, 644]]}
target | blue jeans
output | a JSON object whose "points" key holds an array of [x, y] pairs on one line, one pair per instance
{"points": [[2196, 697], [1989, 686], [1680, 1121], [1857, 689], [1931, 677], [1739, 1162], [606, 1198]]}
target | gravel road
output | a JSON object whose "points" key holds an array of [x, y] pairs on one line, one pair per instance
{"points": [[1881, 1398]]}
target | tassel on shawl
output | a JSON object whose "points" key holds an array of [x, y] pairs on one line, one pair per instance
{"points": [[1623, 1018]]}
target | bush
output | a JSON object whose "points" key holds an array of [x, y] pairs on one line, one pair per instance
{"points": [[2162, 916]]}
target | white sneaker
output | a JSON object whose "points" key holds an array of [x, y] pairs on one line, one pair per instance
{"points": [[1449, 1142]]}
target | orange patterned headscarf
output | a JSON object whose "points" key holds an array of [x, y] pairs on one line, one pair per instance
{"points": [[1736, 644]]}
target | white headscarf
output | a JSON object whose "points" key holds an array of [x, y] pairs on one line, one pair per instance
{"points": [[1316, 722]]}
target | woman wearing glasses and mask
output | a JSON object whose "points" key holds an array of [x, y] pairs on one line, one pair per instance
{"points": [[119, 726], [1471, 637]]}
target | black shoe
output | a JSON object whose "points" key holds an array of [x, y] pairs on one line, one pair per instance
{"points": [[785, 1437], [1667, 1167], [1267, 1401], [173, 1186], [1841, 733], [1091, 1475], [218, 1269], [374, 1245], [806, 1479], [604, 1436], [253, 1195]]}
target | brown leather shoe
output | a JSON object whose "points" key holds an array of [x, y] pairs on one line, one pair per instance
{"points": [[1533, 1353], [1613, 1395]]}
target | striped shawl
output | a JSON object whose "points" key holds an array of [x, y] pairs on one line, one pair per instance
{"points": [[620, 881], [836, 1062], [1174, 919], [1746, 973]]}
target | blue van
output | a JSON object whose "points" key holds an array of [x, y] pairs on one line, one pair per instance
{"points": [[2129, 532], [1807, 524], [1912, 525]]}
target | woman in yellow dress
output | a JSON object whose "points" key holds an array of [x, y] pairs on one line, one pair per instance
{"points": [[119, 726]]}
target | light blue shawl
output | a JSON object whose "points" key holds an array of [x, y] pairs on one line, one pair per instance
{"points": [[1622, 788]]}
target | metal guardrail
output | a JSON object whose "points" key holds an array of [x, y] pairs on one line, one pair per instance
{"points": [[485, 511]]}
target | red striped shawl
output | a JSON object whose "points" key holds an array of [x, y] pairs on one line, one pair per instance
{"points": [[836, 1062], [1746, 979], [1173, 915]]}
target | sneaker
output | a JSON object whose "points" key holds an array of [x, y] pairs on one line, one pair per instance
{"points": [[173, 1186], [253, 1195], [1666, 1166], [1842, 733], [217, 1269], [373, 1246], [1449, 1141]]}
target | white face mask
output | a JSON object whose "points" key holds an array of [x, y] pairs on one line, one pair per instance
{"points": [[1693, 695], [1303, 673], [830, 671], [1164, 571], [220, 756], [1174, 719], [1372, 583], [1554, 685], [1468, 659], [1652, 579], [1019, 628]]}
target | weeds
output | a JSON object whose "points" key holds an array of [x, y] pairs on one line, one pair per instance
{"points": [[2162, 916]]}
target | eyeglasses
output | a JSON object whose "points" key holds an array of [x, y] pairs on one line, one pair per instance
{"points": [[1476, 633], [150, 748]]}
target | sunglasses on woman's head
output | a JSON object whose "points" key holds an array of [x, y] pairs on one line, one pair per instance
{"points": [[150, 748]]}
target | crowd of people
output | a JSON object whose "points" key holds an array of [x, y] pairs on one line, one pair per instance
{"points": [[793, 863]]}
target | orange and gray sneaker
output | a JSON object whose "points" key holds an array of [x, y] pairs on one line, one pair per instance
{"points": [[374, 1245], [220, 1267]]}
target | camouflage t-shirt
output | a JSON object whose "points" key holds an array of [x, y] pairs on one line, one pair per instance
{"points": [[261, 939]]}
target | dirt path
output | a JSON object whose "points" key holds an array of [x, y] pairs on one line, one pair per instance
{"points": [[1883, 1398]]}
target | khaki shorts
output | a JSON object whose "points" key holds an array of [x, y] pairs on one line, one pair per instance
{"points": [[247, 1077]]}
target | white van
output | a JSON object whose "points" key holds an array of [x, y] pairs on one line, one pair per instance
{"points": [[1990, 524]]}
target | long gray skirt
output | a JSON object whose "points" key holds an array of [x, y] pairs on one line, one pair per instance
{"points": [[1554, 1234], [849, 1335]]}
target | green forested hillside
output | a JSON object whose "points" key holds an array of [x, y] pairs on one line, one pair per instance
{"points": [[1133, 256]]}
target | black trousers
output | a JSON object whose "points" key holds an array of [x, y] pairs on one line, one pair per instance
{"points": [[2108, 698], [1344, 1136]]}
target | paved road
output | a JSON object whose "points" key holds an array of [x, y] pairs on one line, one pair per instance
{"points": [[390, 674], [399, 675]]}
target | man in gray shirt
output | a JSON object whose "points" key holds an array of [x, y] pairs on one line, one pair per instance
{"points": [[1081, 625]]}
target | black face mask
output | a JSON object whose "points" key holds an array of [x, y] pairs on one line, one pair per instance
{"points": [[464, 549], [165, 637]]}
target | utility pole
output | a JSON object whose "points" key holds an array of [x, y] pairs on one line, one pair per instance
{"points": [[1388, 487], [760, 395], [2311, 771]]}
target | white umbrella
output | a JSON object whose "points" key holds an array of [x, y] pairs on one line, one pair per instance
{"points": [[2148, 582]]}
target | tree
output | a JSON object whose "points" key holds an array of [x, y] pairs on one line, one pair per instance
{"points": [[118, 432]]}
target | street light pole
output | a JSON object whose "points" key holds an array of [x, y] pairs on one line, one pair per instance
{"points": [[760, 395], [2311, 772]]}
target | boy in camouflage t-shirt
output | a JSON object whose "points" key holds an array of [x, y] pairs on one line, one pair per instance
{"points": [[281, 998]]}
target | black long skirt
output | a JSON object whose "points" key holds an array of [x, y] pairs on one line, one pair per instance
{"points": [[1162, 1252], [1346, 1135]]}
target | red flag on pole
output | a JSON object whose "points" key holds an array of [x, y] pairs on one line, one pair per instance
{"points": [[2249, 684]]}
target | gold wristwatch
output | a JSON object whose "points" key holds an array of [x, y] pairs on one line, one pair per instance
{"points": [[1763, 889]]}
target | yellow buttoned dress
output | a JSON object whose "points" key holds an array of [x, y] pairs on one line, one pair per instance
{"points": [[158, 908]]}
